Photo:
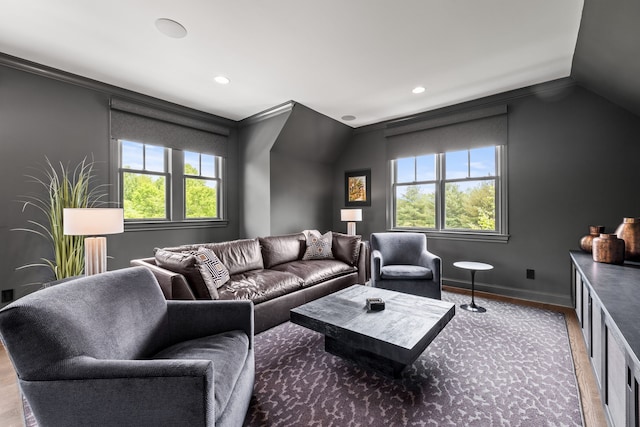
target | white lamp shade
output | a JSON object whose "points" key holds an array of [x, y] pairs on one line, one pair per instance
{"points": [[92, 221], [350, 214]]}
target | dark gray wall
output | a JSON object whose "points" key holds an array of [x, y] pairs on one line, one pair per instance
{"points": [[288, 158], [301, 195], [302, 162], [257, 136], [607, 54], [573, 161], [42, 116]]}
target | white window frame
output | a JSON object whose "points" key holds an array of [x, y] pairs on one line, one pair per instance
{"points": [[500, 234]]}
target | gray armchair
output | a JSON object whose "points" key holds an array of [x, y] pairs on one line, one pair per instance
{"points": [[109, 350], [400, 262]]}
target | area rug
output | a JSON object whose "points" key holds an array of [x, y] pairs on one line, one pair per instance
{"points": [[510, 366]]}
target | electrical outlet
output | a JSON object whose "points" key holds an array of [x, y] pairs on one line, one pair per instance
{"points": [[531, 274], [7, 295]]}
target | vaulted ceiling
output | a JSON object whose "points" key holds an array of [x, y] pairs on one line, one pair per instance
{"points": [[607, 55], [359, 58]]}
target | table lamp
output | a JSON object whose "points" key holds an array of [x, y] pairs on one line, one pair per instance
{"points": [[93, 222], [351, 216]]}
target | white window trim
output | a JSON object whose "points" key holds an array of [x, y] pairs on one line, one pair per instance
{"points": [[500, 235]]}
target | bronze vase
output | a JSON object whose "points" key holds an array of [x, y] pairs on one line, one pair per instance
{"points": [[608, 249], [629, 231], [586, 243]]}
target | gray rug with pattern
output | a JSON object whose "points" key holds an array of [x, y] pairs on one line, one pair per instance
{"points": [[510, 366]]}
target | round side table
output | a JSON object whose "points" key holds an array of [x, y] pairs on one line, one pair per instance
{"points": [[473, 267]]}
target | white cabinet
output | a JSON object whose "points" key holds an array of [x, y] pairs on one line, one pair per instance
{"points": [[615, 391], [635, 393], [578, 292], [603, 294], [597, 340]]}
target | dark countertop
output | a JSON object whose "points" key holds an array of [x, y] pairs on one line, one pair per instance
{"points": [[617, 288]]}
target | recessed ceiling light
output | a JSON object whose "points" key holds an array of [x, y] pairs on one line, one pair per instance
{"points": [[418, 89], [348, 118], [222, 80], [171, 28]]}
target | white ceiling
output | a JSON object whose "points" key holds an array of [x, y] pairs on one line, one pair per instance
{"points": [[338, 57]]}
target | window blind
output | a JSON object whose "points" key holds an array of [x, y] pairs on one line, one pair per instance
{"points": [[461, 131], [147, 124]]}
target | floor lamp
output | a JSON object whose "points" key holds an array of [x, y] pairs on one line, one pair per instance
{"points": [[351, 216], [93, 222]]}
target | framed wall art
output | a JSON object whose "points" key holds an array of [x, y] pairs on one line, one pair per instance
{"points": [[357, 188]]}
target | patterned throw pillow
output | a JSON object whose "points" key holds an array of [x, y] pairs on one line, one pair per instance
{"points": [[318, 246], [213, 271], [185, 263]]}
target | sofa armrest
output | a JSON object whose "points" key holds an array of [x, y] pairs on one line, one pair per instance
{"points": [[434, 263], [175, 392], [376, 264], [174, 285], [364, 272], [195, 319], [89, 368]]}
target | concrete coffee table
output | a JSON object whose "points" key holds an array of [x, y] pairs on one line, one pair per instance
{"points": [[387, 340]]}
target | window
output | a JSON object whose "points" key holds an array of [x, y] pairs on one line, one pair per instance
{"points": [[167, 165], [457, 192], [144, 181], [415, 192], [160, 184], [201, 185]]}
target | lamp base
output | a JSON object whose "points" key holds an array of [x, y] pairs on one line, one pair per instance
{"points": [[351, 228], [95, 255]]}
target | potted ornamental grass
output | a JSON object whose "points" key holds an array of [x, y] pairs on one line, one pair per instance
{"points": [[62, 186]]}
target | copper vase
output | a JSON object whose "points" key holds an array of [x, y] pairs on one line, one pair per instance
{"points": [[586, 243], [629, 231], [609, 249]]}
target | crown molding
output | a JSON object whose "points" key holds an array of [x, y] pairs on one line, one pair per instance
{"points": [[107, 89]]}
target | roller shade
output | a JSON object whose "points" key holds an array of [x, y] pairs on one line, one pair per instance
{"points": [[473, 129], [146, 124]]}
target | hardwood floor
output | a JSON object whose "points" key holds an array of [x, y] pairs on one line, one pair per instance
{"points": [[593, 412], [10, 403]]}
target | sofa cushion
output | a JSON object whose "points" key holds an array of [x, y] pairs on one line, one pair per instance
{"points": [[228, 351], [259, 285], [237, 255], [280, 249], [185, 263], [318, 246], [406, 272], [346, 248], [214, 273], [315, 271]]}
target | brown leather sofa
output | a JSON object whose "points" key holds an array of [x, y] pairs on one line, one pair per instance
{"points": [[269, 271]]}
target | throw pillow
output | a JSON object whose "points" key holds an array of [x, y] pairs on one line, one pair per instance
{"points": [[185, 263], [308, 233], [213, 271], [346, 248], [318, 246]]}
